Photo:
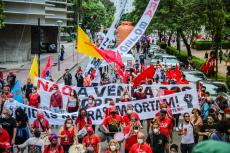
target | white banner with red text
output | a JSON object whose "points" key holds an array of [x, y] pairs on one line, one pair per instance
{"points": [[102, 94], [147, 108]]}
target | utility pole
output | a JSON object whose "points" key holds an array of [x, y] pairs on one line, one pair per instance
{"points": [[77, 19], [59, 23], [39, 45]]}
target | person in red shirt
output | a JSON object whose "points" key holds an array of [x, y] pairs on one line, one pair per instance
{"points": [[34, 98], [113, 123], [56, 102], [4, 136], [141, 146], [68, 134], [165, 124], [139, 94], [107, 110], [82, 121], [183, 80], [91, 142], [129, 114], [54, 147], [130, 132], [41, 123], [6, 147], [113, 147]]}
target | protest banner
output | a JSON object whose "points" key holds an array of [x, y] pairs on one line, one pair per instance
{"points": [[102, 94], [139, 29], [180, 103]]}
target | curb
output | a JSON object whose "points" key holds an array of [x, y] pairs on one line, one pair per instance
{"points": [[75, 65]]}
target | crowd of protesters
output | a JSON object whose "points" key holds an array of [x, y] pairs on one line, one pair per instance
{"points": [[211, 121]]}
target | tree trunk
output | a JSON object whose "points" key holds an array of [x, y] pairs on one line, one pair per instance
{"points": [[169, 40], [186, 44], [178, 40], [160, 35]]}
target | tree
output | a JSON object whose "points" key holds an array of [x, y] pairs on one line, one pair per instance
{"points": [[110, 11], [1, 13]]}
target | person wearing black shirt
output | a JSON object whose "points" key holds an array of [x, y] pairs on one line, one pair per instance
{"points": [[79, 79], [67, 77], [27, 89], [22, 122], [9, 124], [157, 141], [207, 128], [11, 79]]}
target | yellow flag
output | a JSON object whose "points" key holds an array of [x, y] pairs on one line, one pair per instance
{"points": [[34, 69], [82, 46]]}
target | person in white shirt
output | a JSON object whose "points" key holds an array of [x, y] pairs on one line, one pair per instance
{"points": [[34, 144], [11, 104], [186, 130]]}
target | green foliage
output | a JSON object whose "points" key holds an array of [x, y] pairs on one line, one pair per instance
{"points": [[228, 81], [110, 11], [70, 39], [1, 13], [207, 45]]}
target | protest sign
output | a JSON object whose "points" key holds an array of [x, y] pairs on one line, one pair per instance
{"points": [[102, 94], [180, 103]]}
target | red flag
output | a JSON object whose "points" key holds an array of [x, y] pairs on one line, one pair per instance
{"points": [[108, 55], [204, 68], [146, 74], [121, 72], [174, 74], [47, 67]]}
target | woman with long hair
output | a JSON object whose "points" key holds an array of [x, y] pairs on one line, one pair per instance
{"points": [[73, 102], [82, 121], [68, 134]]}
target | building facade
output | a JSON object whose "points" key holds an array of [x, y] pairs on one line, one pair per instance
{"points": [[19, 37], [129, 7]]}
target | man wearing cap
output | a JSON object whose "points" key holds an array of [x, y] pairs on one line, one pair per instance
{"points": [[107, 110], [113, 123], [165, 124], [56, 102]]}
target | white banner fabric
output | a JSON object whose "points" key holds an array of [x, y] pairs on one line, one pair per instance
{"points": [[146, 108], [139, 29], [102, 94]]}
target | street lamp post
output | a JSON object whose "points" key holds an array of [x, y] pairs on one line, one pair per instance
{"points": [[59, 23]]}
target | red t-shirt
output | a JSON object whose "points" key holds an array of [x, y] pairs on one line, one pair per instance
{"points": [[56, 100], [136, 148], [34, 100], [4, 136], [81, 122], [70, 136], [127, 118], [113, 120], [165, 126], [45, 125], [57, 149], [93, 141], [131, 140]]}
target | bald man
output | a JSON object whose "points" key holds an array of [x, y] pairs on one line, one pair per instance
{"points": [[141, 145]]}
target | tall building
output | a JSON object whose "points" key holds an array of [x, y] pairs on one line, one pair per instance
{"points": [[19, 37], [129, 5]]}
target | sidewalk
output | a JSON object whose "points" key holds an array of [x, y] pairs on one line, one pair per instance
{"points": [[222, 67], [22, 69]]}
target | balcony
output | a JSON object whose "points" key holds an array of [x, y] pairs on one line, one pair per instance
{"points": [[25, 13], [55, 9], [26, 2]]}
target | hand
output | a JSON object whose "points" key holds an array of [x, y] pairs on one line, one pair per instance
{"points": [[12, 142], [106, 131]]}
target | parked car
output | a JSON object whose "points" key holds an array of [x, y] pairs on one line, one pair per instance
{"points": [[216, 88], [194, 76], [157, 57], [153, 50], [169, 60]]}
